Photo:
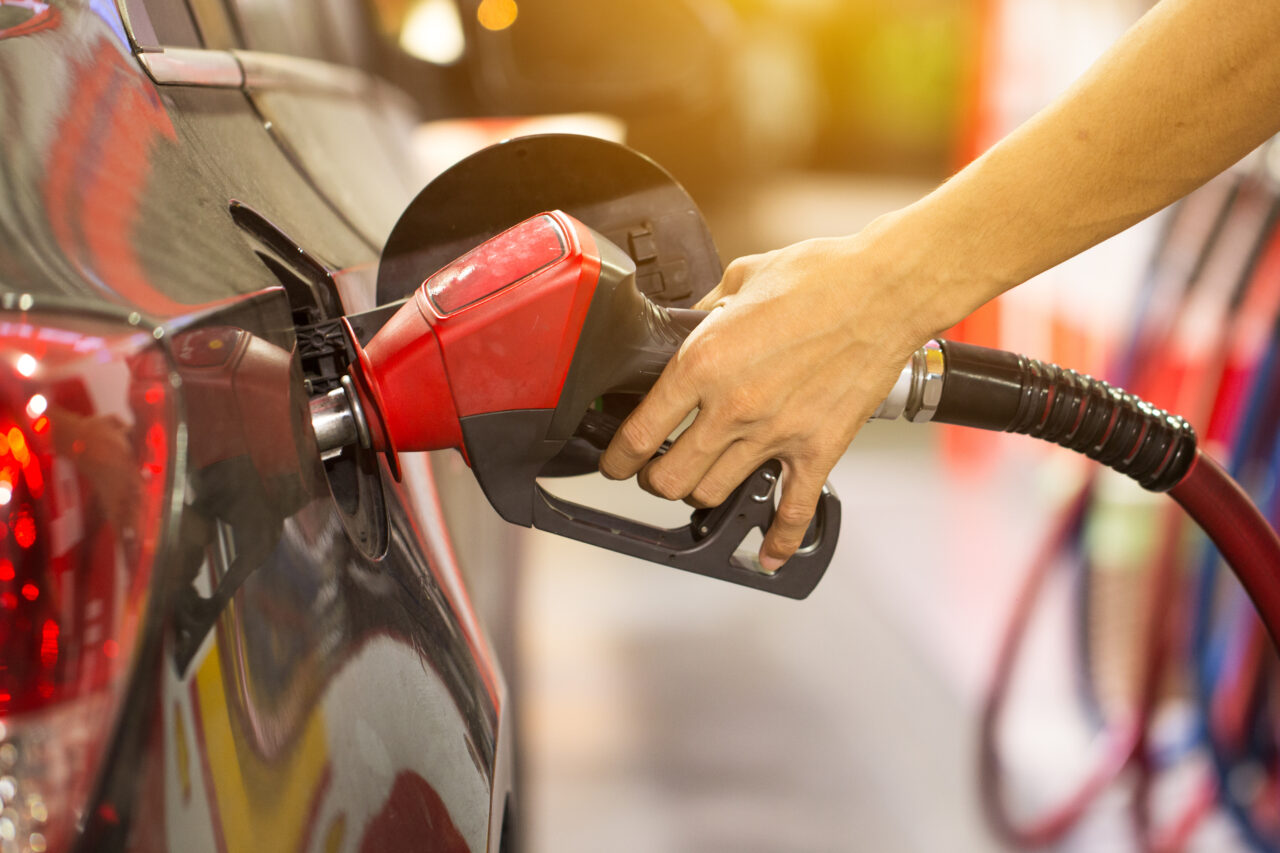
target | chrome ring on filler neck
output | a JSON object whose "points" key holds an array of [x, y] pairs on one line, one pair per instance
{"points": [[338, 420], [357, 412]]}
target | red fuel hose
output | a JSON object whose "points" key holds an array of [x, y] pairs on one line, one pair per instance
{"points": [[1122, 739], [1245, 539], [995, 390]]}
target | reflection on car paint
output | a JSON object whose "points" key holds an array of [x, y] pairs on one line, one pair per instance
{"points": [[24, 17], [97, 168], [328, 700], [288, 637], [317, 794], [273, 776]]}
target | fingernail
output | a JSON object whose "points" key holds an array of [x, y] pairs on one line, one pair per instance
{"points": [[770, 564]]}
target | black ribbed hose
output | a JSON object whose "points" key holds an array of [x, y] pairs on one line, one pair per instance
{"points": [[997, 390]]}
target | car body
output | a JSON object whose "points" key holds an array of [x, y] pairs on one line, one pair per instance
{"points": [[212, 638]]}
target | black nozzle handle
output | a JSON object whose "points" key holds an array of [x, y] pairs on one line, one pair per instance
{"points": [[625, 343], [709, 544], [640, 352]]}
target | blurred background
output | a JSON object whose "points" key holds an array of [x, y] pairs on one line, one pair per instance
{"points": [[1009, 651]]}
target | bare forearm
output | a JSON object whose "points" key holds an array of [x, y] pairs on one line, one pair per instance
{"points": [[812, 336], [1191, 89]]}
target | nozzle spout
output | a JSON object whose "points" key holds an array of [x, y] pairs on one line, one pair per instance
{"points": [[338, 420]]}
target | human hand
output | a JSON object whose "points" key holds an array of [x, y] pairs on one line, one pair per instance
{"points": [[800, 347]]}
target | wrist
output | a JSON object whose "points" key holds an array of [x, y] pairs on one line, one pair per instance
{"points": [[930, 265]]}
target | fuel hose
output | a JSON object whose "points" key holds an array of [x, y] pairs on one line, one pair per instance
{"points": [[1221, 678], [1214, 258], [1183, 250], [967, 385], [1195, 237], [973, 386]]}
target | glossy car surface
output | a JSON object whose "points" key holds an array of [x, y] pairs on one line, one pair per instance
{"points": [[286, 656]]}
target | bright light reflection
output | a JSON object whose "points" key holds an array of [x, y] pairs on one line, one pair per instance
{"points": [[17, 445], [36, 405], [433, 31], [497, 14], [27, 364], [6, 493]]}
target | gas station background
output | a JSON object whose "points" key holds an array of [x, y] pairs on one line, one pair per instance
{"points": [[664, 713]]}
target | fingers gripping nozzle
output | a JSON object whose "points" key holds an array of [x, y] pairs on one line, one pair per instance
{"points": [[503, 354]]}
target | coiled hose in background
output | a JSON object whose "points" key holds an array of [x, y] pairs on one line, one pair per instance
{"points": [[950, 382]]}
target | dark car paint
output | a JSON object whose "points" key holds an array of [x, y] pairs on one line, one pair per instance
{"points": [[332, 697]]}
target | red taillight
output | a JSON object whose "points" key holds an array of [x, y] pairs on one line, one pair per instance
{"points": [[85, 427]]}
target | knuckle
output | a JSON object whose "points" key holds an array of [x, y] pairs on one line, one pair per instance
{"points": [[665, 484], [828, 447], [710, 494], [635, 437], [787, 539], [736, 273], [613, 462], [746, 405], [785, 431], [783, 544], [793, 519], [738, 267], [696, 361], [706, 439]]}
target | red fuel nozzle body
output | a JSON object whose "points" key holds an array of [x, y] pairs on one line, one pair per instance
{"points": [[494, 331]]}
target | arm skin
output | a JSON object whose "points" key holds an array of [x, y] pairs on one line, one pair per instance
{"points": [[804, 342]]}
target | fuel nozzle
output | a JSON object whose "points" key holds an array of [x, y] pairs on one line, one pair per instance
{"points": [[338, 420], [502, 355]]}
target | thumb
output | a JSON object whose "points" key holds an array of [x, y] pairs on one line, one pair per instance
{"points": [[709, 301], [730, 283]]}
